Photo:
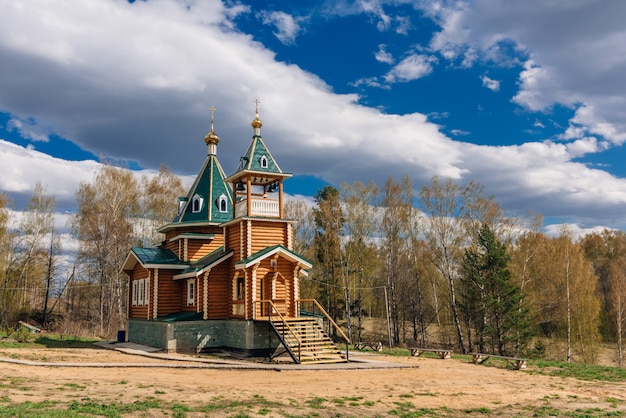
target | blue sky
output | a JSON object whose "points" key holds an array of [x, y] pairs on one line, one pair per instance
{"points": [[527, 98]]}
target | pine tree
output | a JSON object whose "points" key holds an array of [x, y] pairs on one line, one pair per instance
{"points": [[329, 223], [491, 298]]}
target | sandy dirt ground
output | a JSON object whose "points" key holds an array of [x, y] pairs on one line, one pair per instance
{"points": [[435, 388]]}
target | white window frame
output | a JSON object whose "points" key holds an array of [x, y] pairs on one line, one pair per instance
{"points": [[263, 161], [222, 201], [134, 293], [191, 291], [146, 288], [197, 200], [140, 291]]}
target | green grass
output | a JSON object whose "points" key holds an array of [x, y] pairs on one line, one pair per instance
{"points": [[580, 371], [50, 341], [259, 406]]}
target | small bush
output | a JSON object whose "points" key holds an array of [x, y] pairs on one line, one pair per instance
{"points": [[23, 336]]}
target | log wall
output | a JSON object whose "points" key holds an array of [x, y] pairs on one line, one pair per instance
{"points": [[169, 293]]}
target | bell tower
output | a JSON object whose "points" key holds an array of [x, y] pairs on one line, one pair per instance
{"points": [[265, 266]]}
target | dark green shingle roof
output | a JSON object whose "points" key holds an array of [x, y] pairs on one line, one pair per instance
{"points": [[156, 256], [209, 186]]}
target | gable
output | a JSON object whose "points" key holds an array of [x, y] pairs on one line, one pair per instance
{"points": [[207, 262], [258, 158], [270, 251], [161, 258], [209, 199]]}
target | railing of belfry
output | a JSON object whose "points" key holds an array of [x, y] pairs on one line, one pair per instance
{"points": [[330, 320], [273, 310]]}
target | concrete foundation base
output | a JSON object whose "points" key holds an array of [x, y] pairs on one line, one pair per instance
{"points": [[251, 338]]}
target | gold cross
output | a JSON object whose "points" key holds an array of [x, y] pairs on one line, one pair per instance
{"points": [[212, 109], [257, 106]]}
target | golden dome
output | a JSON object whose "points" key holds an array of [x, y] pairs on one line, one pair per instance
{"points": [[211, 138], [256, 123]]}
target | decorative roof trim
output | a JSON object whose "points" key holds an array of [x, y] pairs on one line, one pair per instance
{"points": [[175, 225], [257, 218], [192, 235], [241, 173], [132, 259], [214, 258], [270, 251]]}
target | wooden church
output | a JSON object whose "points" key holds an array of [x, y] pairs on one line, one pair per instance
{"points": [[226, 277]]}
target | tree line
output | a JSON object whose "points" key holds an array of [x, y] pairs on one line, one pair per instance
{"points": [[446, 267], [442, 266], [115, 211]]}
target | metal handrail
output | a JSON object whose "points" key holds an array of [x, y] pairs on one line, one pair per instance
{"points": [[285, 323]]}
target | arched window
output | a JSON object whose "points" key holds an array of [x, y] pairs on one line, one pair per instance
{"points": [[263, 161], [222, 203], [196, 203]]}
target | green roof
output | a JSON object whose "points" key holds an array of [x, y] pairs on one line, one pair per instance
{"points": [[257, 152], [156, 256], [209, 189], [209, 259]]}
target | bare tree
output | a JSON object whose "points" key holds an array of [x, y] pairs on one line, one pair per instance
{"points": [[159, 201], [7, 283], [104, 226], [397, 206], [442, 203], [359, 203]]}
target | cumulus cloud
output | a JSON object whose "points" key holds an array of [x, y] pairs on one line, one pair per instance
{"points": [[411, 68], [134, 81], [383, 56], [491, 84], [287, 26], [28, 129], [576, 52]]}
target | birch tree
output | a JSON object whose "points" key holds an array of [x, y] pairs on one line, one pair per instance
{"points": [[103, 223], [360, 205], [7, 285], [159, 201], [444, 235], [397, 206]]}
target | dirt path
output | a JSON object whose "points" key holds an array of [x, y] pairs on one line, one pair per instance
{"points": [[445, 386]]}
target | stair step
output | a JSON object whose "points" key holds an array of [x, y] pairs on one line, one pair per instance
{"points": [[337, 360], [306, 338]]}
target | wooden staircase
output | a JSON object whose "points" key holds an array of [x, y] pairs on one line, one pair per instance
{"points": [[306, 342]]}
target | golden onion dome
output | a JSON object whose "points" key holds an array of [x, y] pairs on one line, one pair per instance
{"points": [[256, 123], [211, 138]]}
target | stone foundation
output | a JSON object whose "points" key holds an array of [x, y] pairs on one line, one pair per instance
{"points": [[246, 337]]}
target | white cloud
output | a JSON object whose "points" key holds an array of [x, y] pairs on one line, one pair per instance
{"points": [[22, 168], [459, 132], [491, 84], [383, 56], [134, 81], [370, 82], [587, 121], [574, 52], [411, 68], [288, 27], [28, 129]]}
